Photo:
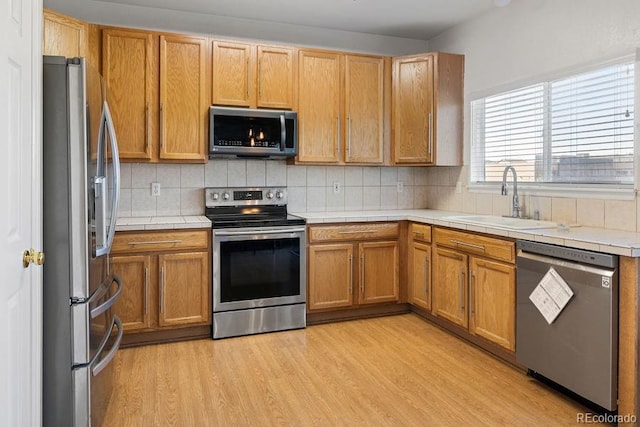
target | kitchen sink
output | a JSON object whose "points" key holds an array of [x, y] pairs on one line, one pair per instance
{"points": [[502, 222]]}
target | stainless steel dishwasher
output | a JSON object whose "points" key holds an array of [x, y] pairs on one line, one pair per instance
{"points": [[579, 349]]}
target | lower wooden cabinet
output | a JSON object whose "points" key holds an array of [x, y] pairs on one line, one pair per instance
{"points": [[133, 305], [165, 277], [330, 276], [419, 266], [352, 265], [474, 284], [184, 288], [492, 301]]}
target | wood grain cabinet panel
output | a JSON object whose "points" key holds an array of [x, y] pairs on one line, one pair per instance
{"points": [[427, 109], [413, 110], [492, 301], [420, 275], [233, 74], [474, 284], [341, 107], [351, 265], [364, 107], [330, 283], [184, 288], [319, 114], [378, 272], [184, 102], [166, 279], [133, 305], [449, 298], [275, 77], [129, 69], [63, 35]]}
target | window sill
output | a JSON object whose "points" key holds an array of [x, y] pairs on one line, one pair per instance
{"points": [[566, 191]]}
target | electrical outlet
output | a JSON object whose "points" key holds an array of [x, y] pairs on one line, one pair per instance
{"points": [[458, 187], [400, 186], [336, 187], [155, 189]]}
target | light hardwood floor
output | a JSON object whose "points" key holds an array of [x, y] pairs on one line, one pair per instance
{"points": [[395, 371]]}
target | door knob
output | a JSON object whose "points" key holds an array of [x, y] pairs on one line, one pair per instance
{"points": [[31, 256]]}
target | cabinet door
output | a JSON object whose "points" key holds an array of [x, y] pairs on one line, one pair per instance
{"points": [[183, 98], [330, 276], [413, 111], [233, 74], [492, 301], [449, 296], [64, 36], [184, 289], [378, 272], [133, 305], [275, 77], [128, 63], [364, 106], [420, 276], [319, 107]]}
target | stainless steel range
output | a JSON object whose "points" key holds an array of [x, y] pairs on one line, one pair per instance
{"points": [[259, 261]]}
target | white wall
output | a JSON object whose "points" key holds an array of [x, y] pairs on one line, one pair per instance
{"points": [[310, 187], [170, 20], [520, 43]]}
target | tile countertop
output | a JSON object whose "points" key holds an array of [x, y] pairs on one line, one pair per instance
{"points": [[162, 222], [595, 239]]}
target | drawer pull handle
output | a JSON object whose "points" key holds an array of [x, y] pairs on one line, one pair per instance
{"points": [[469, 245], [358, 231], [156, 242]]}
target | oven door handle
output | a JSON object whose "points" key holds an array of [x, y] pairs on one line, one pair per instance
{"points": [[257, 232]]}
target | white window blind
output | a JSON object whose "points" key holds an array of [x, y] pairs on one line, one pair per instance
{"points": [[577, 129]]}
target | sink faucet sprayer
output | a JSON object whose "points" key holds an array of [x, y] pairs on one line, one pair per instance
{"points": [[516, 205]]}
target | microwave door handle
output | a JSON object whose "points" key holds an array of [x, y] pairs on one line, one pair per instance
{"points": [[283, 132], [111, 231]]}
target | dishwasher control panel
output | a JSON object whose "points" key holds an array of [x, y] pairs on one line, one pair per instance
{"points": [[569, 254]]}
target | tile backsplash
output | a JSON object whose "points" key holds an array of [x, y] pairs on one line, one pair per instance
{"points": [[311, 188], [361, 188]]}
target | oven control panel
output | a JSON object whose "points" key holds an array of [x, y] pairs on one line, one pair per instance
{"points": [[244, 196]]}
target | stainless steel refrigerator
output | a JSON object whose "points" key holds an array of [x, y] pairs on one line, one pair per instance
{"points": [[81, 174]]}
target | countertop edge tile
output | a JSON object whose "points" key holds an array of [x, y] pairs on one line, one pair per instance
{"points": [[162, 223]]}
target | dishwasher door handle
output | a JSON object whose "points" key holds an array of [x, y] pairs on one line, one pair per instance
{"points": [[562, 263]]}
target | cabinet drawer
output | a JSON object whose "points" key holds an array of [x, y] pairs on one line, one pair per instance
{"points": [[326, 233], [126, 242], [491, 247], [420, 232]]}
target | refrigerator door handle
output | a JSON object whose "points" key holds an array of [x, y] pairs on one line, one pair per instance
{"points": [[100, 192], [97, 311], [96, 366], [107, 234]]}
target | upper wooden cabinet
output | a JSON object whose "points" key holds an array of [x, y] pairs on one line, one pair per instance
{"points": [[249, 75], [158, 90], [63, 35], [183, 98], [427, 109], [129, 67], [341, 108], [319, 106], [364, 108]]}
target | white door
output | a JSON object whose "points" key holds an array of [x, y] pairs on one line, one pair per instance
{"points": [[20, 211]]}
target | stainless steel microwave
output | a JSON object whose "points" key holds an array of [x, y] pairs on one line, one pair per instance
{"points": [[245, 132]]}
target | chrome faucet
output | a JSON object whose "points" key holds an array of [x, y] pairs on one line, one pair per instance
{"points": [[516, 205]]}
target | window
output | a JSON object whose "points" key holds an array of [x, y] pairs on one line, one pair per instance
{"points": [[576, 130]]}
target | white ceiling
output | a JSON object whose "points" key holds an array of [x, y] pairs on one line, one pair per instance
{"points": [[415, 19]]}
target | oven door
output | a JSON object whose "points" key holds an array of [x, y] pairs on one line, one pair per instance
{"points": [[258, 267]]}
